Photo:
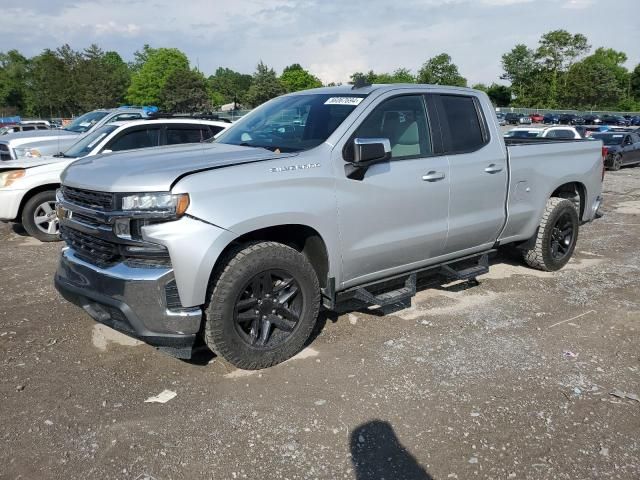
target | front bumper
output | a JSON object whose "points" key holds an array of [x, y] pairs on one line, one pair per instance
{"points": [[10, 204], [131, 300]]}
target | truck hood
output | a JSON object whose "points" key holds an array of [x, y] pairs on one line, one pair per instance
{"points": [[30, 162], [37, 134], [157, 169]]}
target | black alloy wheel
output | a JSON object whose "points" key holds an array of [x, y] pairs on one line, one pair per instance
{"points": [[268, 309], [562, 237]]}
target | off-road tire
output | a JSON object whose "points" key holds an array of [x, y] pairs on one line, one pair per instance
{"points": [[237, 268], [540, 256], [28, 211]]}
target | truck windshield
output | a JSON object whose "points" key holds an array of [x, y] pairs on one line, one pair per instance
{"points": [[609, 138], [84, 146], [292, 123], [85, 122]]}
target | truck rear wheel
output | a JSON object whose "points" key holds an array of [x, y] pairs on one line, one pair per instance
{"points": [[556, 238], [263, 305], [39, 217]]}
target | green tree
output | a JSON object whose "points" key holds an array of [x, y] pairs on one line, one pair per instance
{"points": [[556, 52], [440, 70], [104, 78], [295, 78], [402, 75], [149, 80], [228, 86], [140, 57], [591, 85], [500, 95], [185, 91], [480, 86], [264, 86], [370, 77], [520, 69], [614, 61], [46, 86], [13, 76], [634, 83]]}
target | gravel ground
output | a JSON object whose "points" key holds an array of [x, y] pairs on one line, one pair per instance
{"points": [[526, 375]]}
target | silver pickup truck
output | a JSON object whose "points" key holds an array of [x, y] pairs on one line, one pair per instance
{"points": [[314, 198]]}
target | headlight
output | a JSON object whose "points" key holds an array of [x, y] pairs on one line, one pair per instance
{"points": [[7, 178], [157, 202], [27, 152]]}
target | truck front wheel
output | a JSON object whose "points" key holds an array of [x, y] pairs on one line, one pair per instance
{"points": [[263, 305], [556, 238]]}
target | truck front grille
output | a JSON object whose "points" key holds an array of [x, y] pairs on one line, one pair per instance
{"points": [[89, 248], [104, 201]]}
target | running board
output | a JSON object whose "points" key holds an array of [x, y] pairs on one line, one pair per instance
{"points": [[388, 298], [362, 293], [469, 273]]}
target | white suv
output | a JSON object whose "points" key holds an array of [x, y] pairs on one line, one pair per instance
{"points": [[28, 186]]}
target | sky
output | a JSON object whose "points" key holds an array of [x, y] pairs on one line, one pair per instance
{"points": [[331, 38]]}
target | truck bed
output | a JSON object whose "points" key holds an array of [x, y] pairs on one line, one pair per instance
{"points": [[538, 167]]}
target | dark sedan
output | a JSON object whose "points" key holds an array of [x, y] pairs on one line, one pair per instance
{"points": [[621, 148], [571, 119], [615, 120], [517, 119], [551, 119], [591, 119]]}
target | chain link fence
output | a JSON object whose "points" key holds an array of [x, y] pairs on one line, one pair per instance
{"points": [[542, 111]]}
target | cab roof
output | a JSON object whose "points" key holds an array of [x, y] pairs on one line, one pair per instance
{"points": [[382, 87]]}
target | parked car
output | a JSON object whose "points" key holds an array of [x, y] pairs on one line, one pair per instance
{"points": [[512, 118], [614, 120], [550, 119], [563, 132], [591, 119], [635, 121], [523, 132], [570, 119], [620, 148], [240, 242], [536, 117], [28, 194], [50, 142], [24, 127], [501, 120]]}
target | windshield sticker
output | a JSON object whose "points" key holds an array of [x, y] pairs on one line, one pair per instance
{"points": [[344, 101]]}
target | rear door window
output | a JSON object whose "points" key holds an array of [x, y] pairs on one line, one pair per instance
{"points": [[138, 138], [187, 134], [462, 123]]}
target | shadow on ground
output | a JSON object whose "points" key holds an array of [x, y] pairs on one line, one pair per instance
{"points": [[376, 452]]}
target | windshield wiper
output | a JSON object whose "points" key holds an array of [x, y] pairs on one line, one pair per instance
{"points": [[62, 155]]}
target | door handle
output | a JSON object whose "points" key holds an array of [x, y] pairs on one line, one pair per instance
{"points": [[433, 176], [493, 168]]}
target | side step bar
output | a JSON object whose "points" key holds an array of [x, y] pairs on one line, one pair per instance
{"points": [[468, 273], [391, 297]]}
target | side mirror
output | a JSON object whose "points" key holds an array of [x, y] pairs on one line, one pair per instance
{"points": [[367, 152]]}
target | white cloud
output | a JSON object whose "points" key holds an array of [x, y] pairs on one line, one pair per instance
{"points": [[108, 28], [332, 38]]}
